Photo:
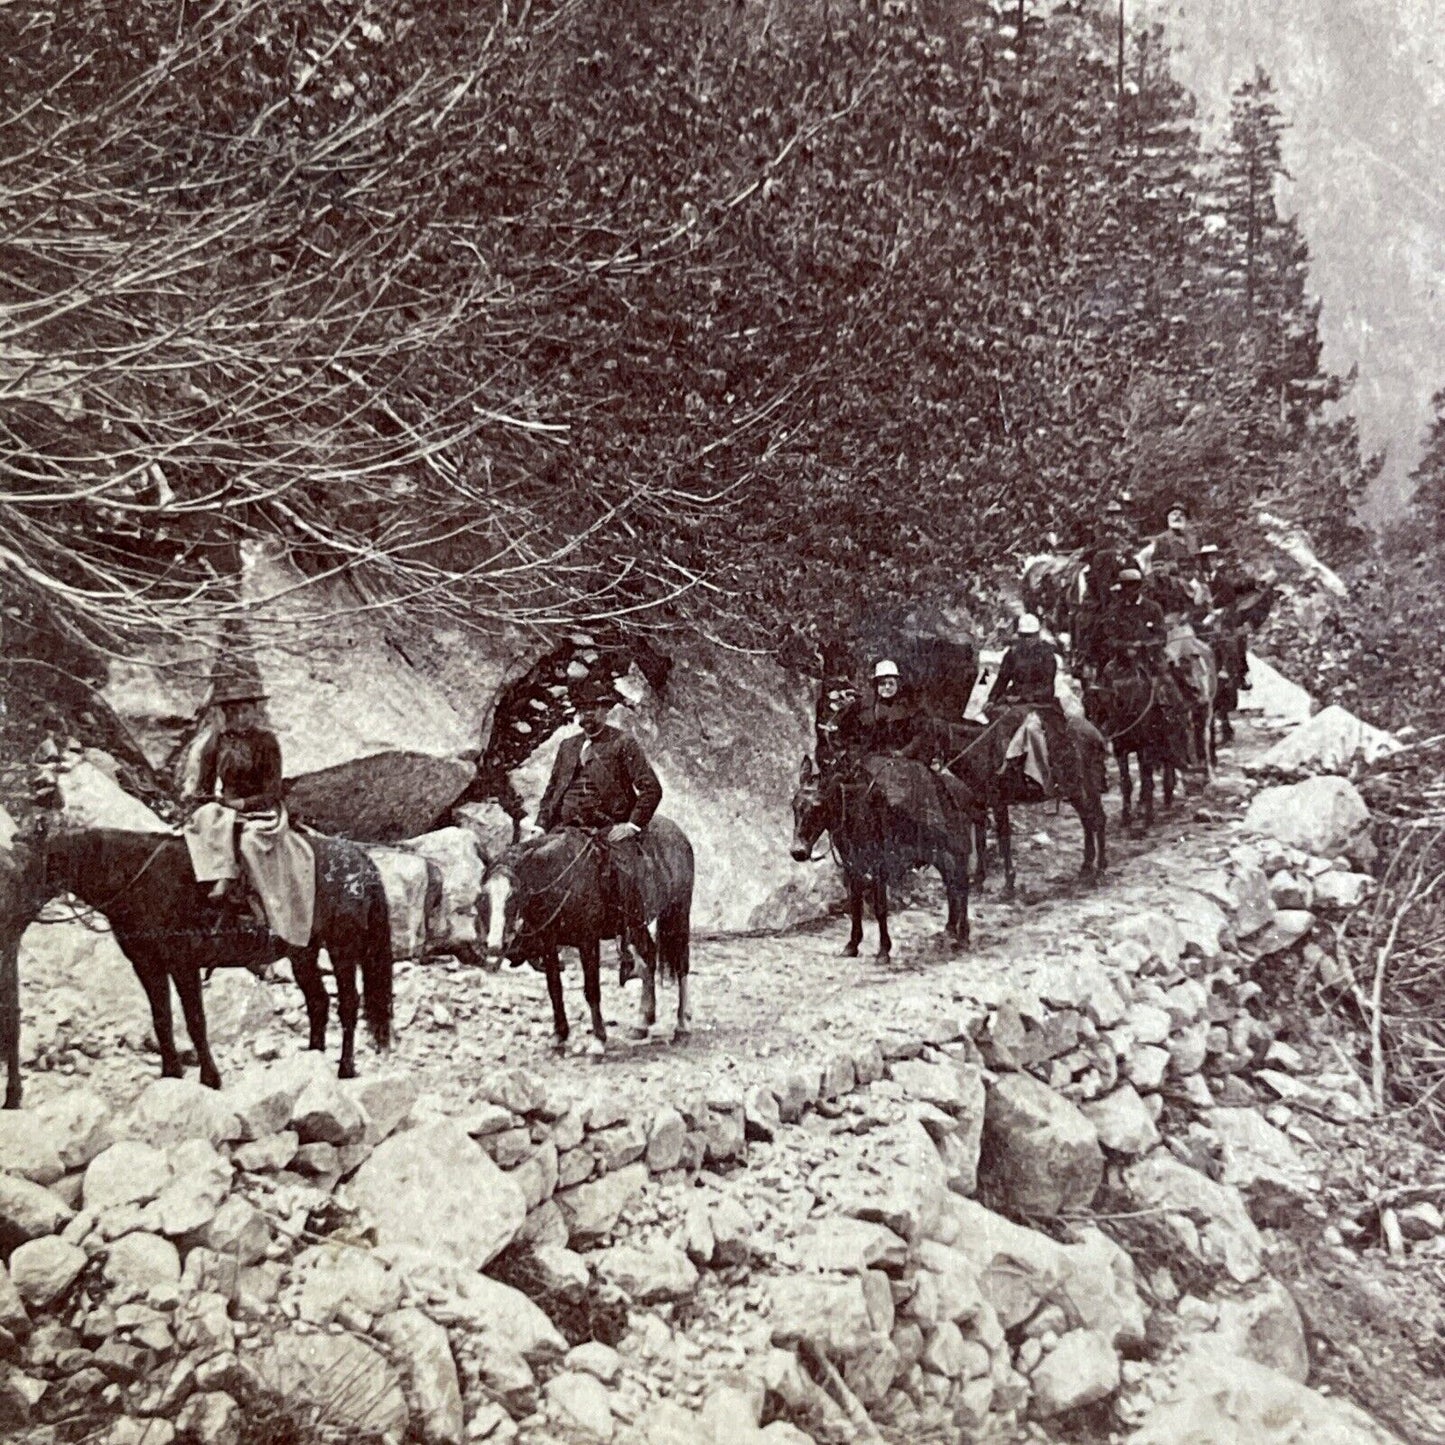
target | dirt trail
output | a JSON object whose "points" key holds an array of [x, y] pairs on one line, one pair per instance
{"points": [[761, 1004]]}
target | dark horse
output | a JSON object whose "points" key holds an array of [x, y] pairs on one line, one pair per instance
{"points": [[171, 932], [1125, 707], [977, 754], [546, 895], [878, 843]]}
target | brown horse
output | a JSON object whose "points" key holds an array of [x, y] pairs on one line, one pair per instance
{"points": [[543, 896], [1125, 707], [977, 754], [878, 842], [171, 932]]}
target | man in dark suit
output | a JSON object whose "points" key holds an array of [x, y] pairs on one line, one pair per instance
{"points": [[603, 782]]}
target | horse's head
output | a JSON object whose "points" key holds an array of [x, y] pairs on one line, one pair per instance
{"points": [[501, 906], [810, 814]]}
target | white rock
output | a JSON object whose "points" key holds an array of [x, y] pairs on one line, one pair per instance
{"points": [[1042, 1152], [432, 1188], [1325, 816], [1156, 931], [1080, 1369], [429, 1375], [170, 1111], [1229, 1236], [583, 1402], [1017, 1268], [849, 1246], [1215, 1398], [92, 799], [347, 1381], [593, 1209], [239, 1231], [335, 1276], [1265, 1327], [126, 1173], [831, 1315], [596, 1359], [658, 1273], [1254, 1151], [263, 1096], [43, 1269], [136, 1263], [1336, 892], [28, 1147], [80, 1126], [1330, 742], [325, 1112], [29, 1211]]}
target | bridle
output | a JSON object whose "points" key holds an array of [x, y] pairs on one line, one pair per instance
{"points": [[83, 914]]}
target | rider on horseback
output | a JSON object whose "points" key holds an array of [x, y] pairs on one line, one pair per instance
{"points": [[1028, 670], [889, 724], [602, 782], [1135, 638], [232, 768]]}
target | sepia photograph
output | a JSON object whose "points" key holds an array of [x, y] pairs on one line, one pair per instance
{"points": [[722, 722]]}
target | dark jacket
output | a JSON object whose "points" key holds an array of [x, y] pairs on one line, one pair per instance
{"points": [[615, 785], [880, 727], [1137, 627], [246, 764], [1026, 674]]}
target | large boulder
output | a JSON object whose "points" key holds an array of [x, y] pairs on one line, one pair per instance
{"points": [[1325, 816], [1273, 695], [1216, 1398], [91, 798], [1040, 1152], [1079, 1370], [830, 1315], [28, 1148], [434, 1189], [1329, 742], [171, 1111], [29, 1211], [1227, 1235]]}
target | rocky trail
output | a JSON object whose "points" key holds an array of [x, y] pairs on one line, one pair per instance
{"points": [[1111, 1175]]}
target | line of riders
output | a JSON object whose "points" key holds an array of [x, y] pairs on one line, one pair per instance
{"points": [[602, 782]]}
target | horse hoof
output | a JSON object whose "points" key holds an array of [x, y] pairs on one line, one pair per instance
{"points": [[213, 1082], [640, 1031], [883, 956], [849, 950], [559, 1047], [596, 1049], [346, 1071]]}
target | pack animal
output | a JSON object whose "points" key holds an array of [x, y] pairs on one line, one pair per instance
{"points": [[1126, 709]]}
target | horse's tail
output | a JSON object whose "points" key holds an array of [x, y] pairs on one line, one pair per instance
{"points": [[376, 965], [674, 939]]}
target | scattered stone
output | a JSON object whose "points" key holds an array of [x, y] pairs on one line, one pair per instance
{"points": [[697, 1233], [1338, 893], [1040, 1151], [211, 1418], [1080, 1369], [514, 1089], [732, 1230], [201, 1182], [761, 1116], [486, 1119], [428, 1374], [659, 1273], [584, 1402], [262, 1097], [1146, 1067], [434, 1189], [830, 1315], [1420, 1221], [1265, 1327], [794, 1095], [136, 1263], [125, 1173], [170, 1111], [561, 1271], [28, 1147], [617, 1146], [837, 1077], [240, 1231], [1123, 1122], [1156, 931], [725, 1133], [600, 1361], [593, 1209], [1228, 1235], [336, 1276], [203, 1325], [665, 1140], [43, 1269], [128, 1431], [850, 1246], [269, 1155], [325, 1113], [1281, 933], [1018, 1269], [29, 1211]]}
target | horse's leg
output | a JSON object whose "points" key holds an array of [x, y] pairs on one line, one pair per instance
{"points": [[308, 979], [1082, 807], [188, 986], [1126, 785], [980, 849], [1004, 827], [1171, 779], [157, 984], [552, 967], [348, 1005], [880, 913], [955, 879], [855, 915], [647, 1013], [591, 956]]}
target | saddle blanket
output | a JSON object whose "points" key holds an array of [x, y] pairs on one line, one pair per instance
{"points": [[938, 802], [280, 865], [1030, 742]]}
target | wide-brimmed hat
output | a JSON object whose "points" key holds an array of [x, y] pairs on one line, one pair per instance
{"points": [[884, 667], [1131, 574], [1028, 625], [593, 691], [235, 677]]}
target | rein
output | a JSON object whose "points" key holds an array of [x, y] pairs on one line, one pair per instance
{"points": [[561, 878], [81, 915], [1153, 693]]}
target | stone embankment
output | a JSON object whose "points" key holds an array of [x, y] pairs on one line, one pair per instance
{"points": [[1040, 1211]]}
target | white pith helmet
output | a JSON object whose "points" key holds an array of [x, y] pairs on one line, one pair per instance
{"points": [[1028, 625], [886, 667]]}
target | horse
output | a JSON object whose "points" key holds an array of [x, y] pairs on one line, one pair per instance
{"points": [[977, 754], [546, 895], [171, 931], [1125, 707], [1197, 673], [878, 842]]}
